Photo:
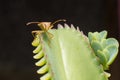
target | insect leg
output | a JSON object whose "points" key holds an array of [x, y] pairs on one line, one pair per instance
{"points": [[50, 35], [35, 32]]}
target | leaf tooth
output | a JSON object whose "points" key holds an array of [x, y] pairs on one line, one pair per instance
{"points": [[46, 77], [66, 26], [73, 27], [107, 74], [39, 55], [36, 41], [82, 32], [102, 74], [78, 29], [86, 39], [37, 49], [41, 62], [43, 69], [84, 36], [60, 26]]}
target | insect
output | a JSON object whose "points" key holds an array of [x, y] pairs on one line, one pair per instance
{"points": [[44, 26]]}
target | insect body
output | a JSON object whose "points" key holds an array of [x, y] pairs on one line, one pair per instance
{"points": [[44, 26]]}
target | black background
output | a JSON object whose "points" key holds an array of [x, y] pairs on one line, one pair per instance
{"points": [[16, 62]]}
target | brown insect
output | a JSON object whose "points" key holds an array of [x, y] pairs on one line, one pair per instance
{"points": [[44, 26]]}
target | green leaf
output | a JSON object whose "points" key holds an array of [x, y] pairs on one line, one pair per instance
{"points": [[69, 56], [105, 48], [113, 51], [103, 35]]}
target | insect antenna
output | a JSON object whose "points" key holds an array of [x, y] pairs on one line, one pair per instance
{"points": [[56, 22], [32, 23]]}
